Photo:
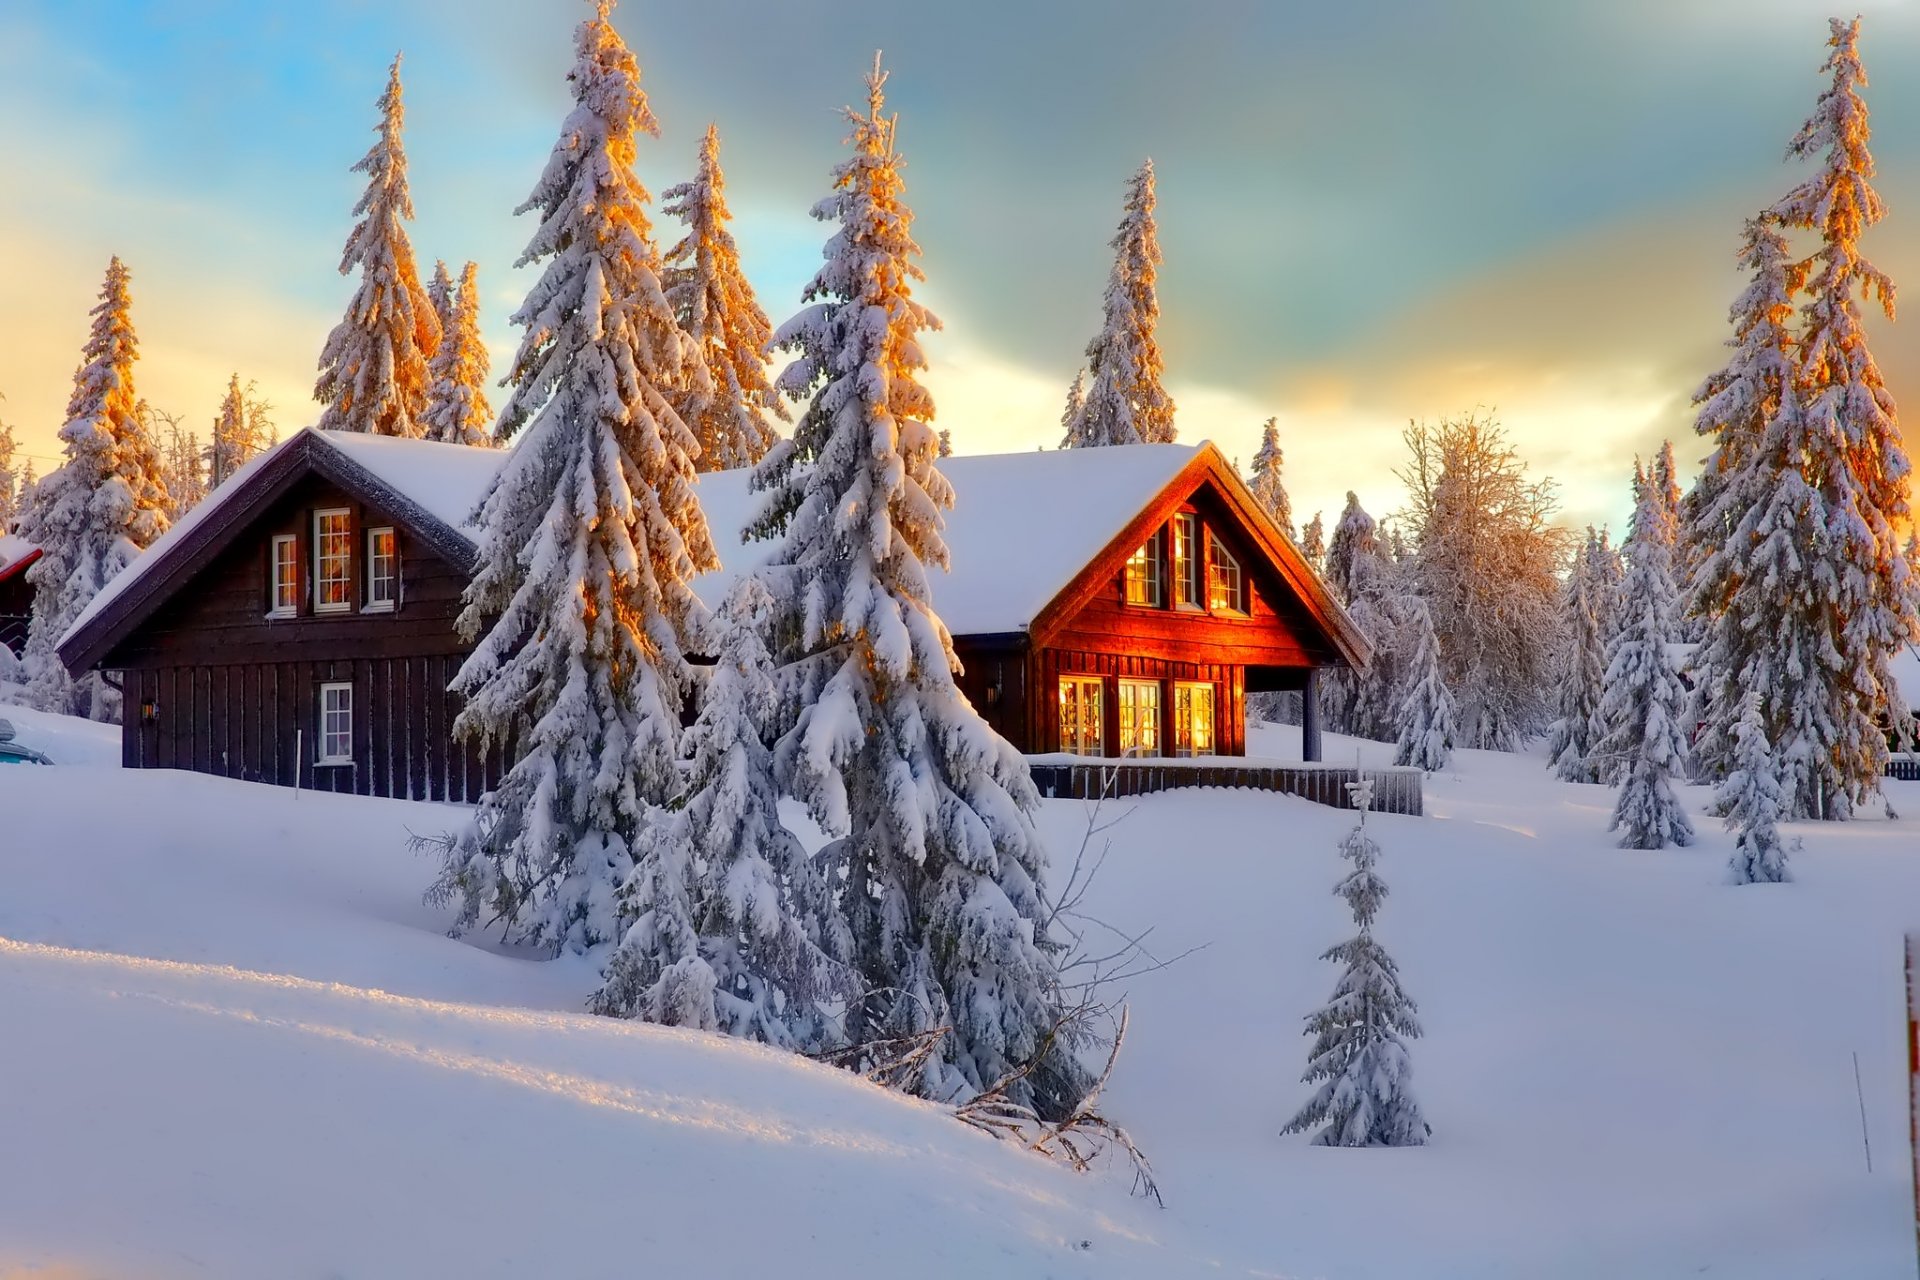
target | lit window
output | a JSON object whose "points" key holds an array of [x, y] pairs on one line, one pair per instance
{"points": [[1140, 717], [1226, 586], [1081, 730], [336, 724], [1186, 560], [1192, 719], [1145, 579], [284, 601], [332, 561], [383, 571]]}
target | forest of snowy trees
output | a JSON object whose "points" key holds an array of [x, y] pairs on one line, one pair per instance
{"points": [[1759, 598]]}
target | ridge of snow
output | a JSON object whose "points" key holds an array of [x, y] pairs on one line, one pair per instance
{"points": [[447, 481], [14, 549]]}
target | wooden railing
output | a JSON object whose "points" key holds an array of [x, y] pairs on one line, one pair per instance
{"points": [[1395, 790], [1904, 767]]}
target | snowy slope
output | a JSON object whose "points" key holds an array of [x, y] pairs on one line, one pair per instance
{"points": [[1632, 1069]]}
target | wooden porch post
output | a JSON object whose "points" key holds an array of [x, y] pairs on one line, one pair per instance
{"points": [[1310, 716]]}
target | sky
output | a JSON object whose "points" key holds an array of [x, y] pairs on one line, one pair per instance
{"points": [[1372, 213]]}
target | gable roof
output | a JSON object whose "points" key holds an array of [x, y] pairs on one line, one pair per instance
{"points": [[1032, 535], [422, 485]]}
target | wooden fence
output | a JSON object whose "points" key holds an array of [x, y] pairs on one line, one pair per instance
{"points": [[1395, 790], [1904, 767]]}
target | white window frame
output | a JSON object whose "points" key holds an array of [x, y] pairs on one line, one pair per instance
{"points": [[1188, 562], [1128, 710], [1146, 567], [289, 586], [1225, 577], [1184, 694], [1084, 739], [327, 736], [387, 603], [320, 579]]}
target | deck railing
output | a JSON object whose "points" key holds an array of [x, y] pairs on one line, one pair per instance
{"points": [[1395, 789], [1906, 768]]}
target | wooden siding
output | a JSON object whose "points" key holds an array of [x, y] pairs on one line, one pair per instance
{"points": [[1395, 790], [214, 685]]}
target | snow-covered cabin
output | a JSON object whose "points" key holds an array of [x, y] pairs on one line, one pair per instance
{"points": [[297, 626], [16, 593]]}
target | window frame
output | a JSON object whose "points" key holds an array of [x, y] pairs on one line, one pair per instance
{"points": [[291, 609], [1183, 699], [1127, 717], [1150, 557], [1079, 744], [391, 601], [1238, 600], [324, 732], [320, 578], [1188, 571]]}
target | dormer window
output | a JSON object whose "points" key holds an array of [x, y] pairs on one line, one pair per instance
{"points": [[383, 571], [283, 598], [332, 561]]}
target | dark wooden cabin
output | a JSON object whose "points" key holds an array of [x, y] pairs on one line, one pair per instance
{"points": [[17, 555], [297, 627]]}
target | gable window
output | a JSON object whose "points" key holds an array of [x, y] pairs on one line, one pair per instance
{"points": [[1146, 576], [1140, 717], [1081, 729], [383, 571], [1186, 561], [336, 724], [1192, 719], [332, 561], [1226, 585], [283, 598]]}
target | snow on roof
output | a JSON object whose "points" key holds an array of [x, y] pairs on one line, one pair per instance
{"points": [[446, 481], [1022, 525], [13, 549]]}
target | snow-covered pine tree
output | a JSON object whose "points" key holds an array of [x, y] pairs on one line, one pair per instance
{"points": [[1366, 704], [1313, 543], [1426, 711], [1752, 801], [946, 443], [1576, 728], [733, 928], [1353, 557], [10, 487], [1265, 481], [92, 516], [1874, 602], [1073, 417], [440, 296], [1125, 403], [1643, 702], [589, 538], [457, 409], [929, 812], [732, 409], [1737, 407], [373, 370], [1359, 1054]]}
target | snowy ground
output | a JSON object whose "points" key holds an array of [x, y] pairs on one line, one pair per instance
{"points": [[234, 1043]]}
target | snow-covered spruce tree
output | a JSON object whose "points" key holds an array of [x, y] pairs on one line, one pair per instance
{"points": [[1366, 704], [1487, 561], [929, 812], [1737, 407], [1125, 402], [732, 409], [1265, 481], [373, 370], [729, 915], [440, 296], [1359, 1056], [1576, 725], [1643, 703], [589, 538], [1752, 801], [11, 490], [93, 515], [1313, 543], [1874, 602], [457, 409], [1073, 417], [1426, 712], [240, 431]]}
